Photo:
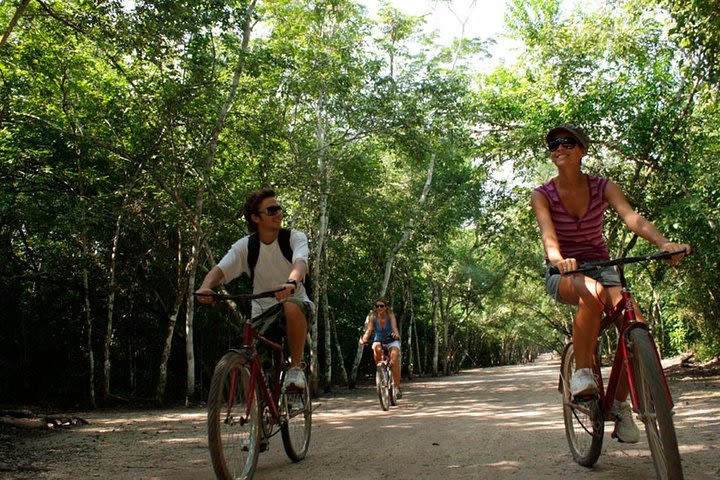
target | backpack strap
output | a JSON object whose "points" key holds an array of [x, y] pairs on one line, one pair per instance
{"points": [[254, 250], [284, 241], [253, 253]]}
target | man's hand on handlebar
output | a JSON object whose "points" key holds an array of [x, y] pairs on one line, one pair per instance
{"points": [[205, 295]]}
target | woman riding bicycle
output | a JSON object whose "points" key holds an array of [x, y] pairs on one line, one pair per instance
{"points": [[569, 211], [382, 321]]}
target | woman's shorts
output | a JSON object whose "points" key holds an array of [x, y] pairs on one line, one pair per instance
{"points": [[393, 344], [607, 277]]}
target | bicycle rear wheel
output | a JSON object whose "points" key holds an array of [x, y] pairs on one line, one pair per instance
{"points": [[296, 407], [654, 406], [584, 422], [391, 387], [234, 440], [382, 386]]}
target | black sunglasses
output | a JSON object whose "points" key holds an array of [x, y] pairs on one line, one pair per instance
{"points": [[567, 142], [272, 210], [379, 305]]}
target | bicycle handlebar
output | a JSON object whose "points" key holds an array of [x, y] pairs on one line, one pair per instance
{"points": [[241, 296], [589, 267]]}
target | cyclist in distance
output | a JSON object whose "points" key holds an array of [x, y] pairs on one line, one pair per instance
{"points": [[382, 321], [569, 210], [291, 305]]}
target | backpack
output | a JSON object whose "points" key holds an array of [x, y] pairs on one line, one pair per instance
{"points": [[285, 248]]}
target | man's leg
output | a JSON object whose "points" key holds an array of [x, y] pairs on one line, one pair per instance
{"points": [[296, 327]]}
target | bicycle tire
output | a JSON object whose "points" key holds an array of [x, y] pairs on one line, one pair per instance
{"points": [[381, 385], [391, 387], [584, 430], [296, 408], [234, 444], [654, 406]]}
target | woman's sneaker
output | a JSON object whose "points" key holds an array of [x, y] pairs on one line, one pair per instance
{"points": [[625, 429], [583, 382]]}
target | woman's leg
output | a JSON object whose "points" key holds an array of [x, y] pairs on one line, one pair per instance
{"points": [[377, 352], [395, 359], [586, 293]]}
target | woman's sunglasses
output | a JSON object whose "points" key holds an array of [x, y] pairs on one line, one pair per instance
{"points": [[272, 210], [566, 142], [379, 305]]}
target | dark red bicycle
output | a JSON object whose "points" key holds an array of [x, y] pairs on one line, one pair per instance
{"points": [[636, 357], [248, 403]]}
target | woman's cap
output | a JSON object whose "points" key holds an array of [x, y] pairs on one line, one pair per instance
{"points": [[573, 130]]}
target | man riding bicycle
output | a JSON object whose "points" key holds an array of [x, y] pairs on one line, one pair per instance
{"points": [[382, 321], [291, 305]]}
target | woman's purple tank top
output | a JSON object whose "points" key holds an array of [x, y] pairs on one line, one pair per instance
{"points": [[579, 238]]}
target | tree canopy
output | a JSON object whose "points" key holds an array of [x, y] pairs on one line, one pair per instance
{"points": [[130, 134]]}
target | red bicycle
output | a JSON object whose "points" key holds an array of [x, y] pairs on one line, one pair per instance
{"points": [[636, 358], [248, 403]]}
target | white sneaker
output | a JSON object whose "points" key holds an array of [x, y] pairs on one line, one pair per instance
{"points": [[295, 378], [625, 429], [583, 382]]}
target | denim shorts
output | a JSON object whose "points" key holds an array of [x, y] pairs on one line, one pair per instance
{"points": [[389, 345], [607, 277]]}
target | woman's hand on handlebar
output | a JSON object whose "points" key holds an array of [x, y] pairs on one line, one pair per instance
{"points": [[566, 265], [674, 247]]}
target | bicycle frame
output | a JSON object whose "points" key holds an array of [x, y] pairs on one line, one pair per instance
{"points": [[257, 374], [624, 312]]}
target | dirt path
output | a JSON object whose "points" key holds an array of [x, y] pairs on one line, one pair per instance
{"points": [[496, 423]]}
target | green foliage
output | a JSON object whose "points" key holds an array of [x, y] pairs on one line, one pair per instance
{"points": [[106, 123]]}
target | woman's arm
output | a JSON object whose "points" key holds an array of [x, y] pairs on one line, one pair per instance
{"points": [[541, 207], [393, 326], [639, 224], [368, 330]]}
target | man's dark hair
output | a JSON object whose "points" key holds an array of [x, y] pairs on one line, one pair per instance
{"points": [[252, 203]]}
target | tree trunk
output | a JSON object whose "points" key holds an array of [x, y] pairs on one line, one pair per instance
{"points": [[18, 13], [328, 339], [408, 227], [411, 321], [172, 320], [436, 336], [111, 308], [343, 371]]}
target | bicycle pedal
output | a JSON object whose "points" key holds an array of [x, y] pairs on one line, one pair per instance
{"points": [[264, 445]]}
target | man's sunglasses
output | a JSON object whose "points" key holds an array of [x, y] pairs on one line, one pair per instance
{"points": [[566, 142], [379, 305], [272, 210]]}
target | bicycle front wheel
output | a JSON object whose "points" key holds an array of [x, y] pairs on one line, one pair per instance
{"points": [[381, 384], [233, 430], [296, 407], [654, 406], [584, 422]]}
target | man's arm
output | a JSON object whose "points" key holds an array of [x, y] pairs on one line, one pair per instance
{"points": [[213, 278]]}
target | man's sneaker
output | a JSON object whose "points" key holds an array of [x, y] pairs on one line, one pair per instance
{"points": [[625, 429], [398, 392], [583, 382], [295, 378]]}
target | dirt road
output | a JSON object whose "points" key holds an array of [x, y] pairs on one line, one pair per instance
{"points": [[496, 423]]}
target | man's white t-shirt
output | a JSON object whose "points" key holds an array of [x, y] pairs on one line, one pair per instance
{"points": [[272, 267]]}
